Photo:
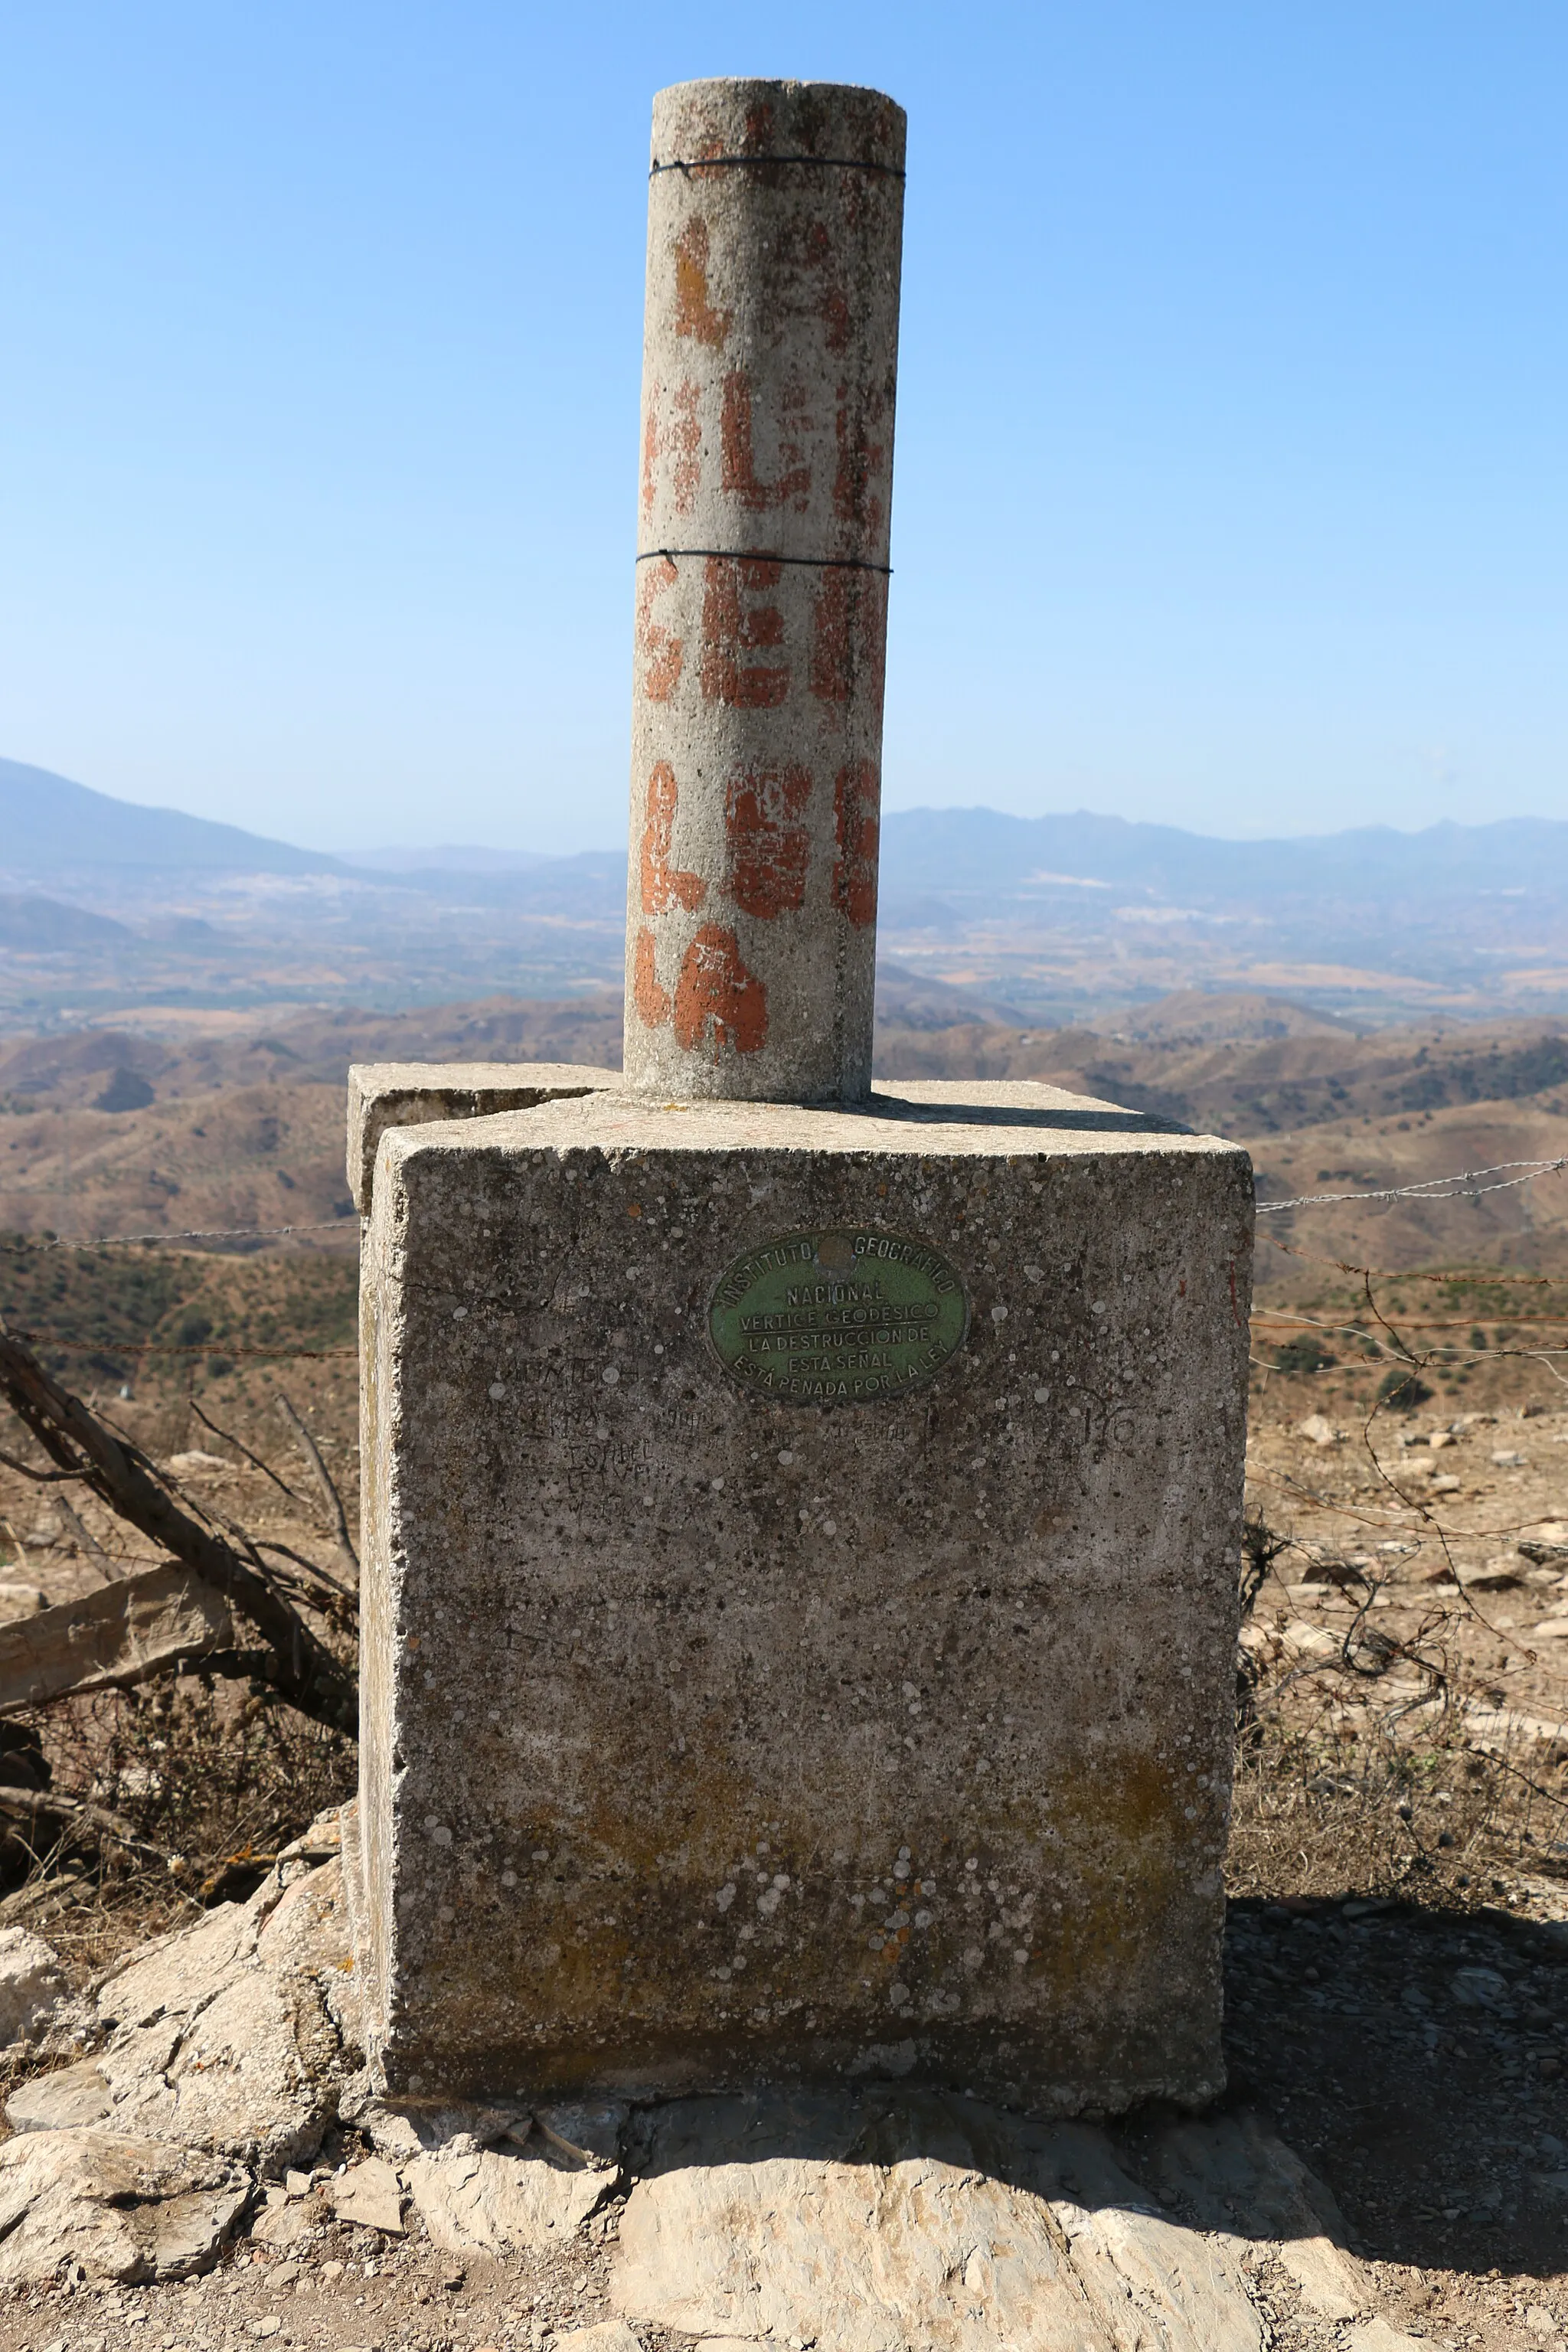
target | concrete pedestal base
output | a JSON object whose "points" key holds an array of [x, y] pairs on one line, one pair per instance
{"points": [[711, 1736]]}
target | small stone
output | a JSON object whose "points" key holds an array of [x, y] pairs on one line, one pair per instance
{"points": [[610, 2336], [32, 1987], [1479, 1988], [267, 2327], [1495, 1575], [284, 2224], [487, 2203], [371, 2194], [73, 2097], [1375, 2335], [1317, 1430], [1506, 1459]]}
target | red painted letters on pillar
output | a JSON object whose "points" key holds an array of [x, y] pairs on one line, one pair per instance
{"points": [[767, 851], [857, 797], [663, 885], [718, 1001]]}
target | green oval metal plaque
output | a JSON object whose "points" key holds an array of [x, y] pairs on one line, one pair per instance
{"points": [[839, 1315]]}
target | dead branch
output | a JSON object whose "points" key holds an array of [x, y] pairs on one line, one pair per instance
{"points": [[325, 1592], [127, 1630], [44, 1809], [87, 1545], [38, 1478], [303, 1670], [332, 1500], [239, 1446]]}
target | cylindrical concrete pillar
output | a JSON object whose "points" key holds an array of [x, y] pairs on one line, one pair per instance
{"points": [[776, 213]]}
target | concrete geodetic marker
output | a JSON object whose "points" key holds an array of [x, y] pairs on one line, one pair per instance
{"points": [[800, 1522]]}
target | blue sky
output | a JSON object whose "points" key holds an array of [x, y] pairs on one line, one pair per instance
{"points": [[1231, 487]]}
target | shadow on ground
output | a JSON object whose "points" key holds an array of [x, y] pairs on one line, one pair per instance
{"points": [[1418, 2061]]}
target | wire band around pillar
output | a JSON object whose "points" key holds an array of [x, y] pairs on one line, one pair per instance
{"points": [[764, 555], [741, 162]]}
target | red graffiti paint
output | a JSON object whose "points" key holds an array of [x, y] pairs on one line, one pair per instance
{"points": [[856, 802], [652, 1002], [694, 312], [738, 461], [686, 440], [718, 1001], [767, 850], [735, 622], [663, 885], [848, 637], [660, 651], [649, 449], [858, 497]]}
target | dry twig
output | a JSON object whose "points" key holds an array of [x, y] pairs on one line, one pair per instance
{"points": [[115, 1469], [332, 1500]]}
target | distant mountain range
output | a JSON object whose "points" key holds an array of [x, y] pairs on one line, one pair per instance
{"points": [[967, 849], [1062, 918], [50, 827]]}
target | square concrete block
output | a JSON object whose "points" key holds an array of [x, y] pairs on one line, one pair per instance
{"points": [[412, 1094], [800, 1595]]}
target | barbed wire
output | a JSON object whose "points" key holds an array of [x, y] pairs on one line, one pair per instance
{"points": [[1464, 1183], [1473, 1277], [113, 1349], [209, 1234]]}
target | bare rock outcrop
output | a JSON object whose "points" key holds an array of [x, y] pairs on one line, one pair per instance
{"points": [[112, 2205], [226, 2048]]}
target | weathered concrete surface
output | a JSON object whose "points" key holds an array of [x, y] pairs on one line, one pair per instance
{"points": [[769, 364], [407, 1094], [709, 1736], [871, 2217]]}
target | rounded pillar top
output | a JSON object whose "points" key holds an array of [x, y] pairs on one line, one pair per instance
{"points": [[747, 122]]}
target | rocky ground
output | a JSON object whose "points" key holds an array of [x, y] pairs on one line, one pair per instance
{"points": [[204, 2163]]}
